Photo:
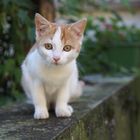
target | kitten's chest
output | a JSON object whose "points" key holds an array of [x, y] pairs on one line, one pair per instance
{"points": [[53, 76]]}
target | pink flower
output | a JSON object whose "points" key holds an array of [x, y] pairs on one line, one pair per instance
{"points": [[108, 26]]}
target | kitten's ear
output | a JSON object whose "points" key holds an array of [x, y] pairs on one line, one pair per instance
{"points": [[79, 27], [41, 25]]}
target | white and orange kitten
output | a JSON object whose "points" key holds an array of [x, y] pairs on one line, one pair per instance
{"points": [[49, 71]]}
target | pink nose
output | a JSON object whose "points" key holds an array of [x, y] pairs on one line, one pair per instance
{"points": [[56, 59]]}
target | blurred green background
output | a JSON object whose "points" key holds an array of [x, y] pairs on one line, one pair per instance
{"points": [[111, 44]]}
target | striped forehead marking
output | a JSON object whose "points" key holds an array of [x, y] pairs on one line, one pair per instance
{"points": [[57, 38]]}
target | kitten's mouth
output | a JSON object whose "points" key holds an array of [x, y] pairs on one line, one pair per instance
{"points": [[56, 63]]}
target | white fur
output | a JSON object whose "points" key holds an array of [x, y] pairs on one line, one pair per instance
{"points": [[56, 38], [45, 82]]}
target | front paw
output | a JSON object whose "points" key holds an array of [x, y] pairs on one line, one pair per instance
{"points": [[64, 111], [41, 113]]}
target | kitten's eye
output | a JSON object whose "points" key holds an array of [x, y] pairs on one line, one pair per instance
{"points": [[48, 46], [67, 48]]}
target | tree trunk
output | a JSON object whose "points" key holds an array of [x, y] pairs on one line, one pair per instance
{"points": [[47, 9]]}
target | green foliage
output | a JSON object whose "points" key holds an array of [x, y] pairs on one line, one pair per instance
{"points": [[76, 7], [101, 35], [16, 31], [17, 35], [71, 7]]}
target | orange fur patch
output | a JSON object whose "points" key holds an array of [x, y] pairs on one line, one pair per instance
{"points": [[68, 37]]}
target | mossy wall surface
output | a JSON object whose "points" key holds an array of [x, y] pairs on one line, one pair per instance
{"points": [[106, 111]]}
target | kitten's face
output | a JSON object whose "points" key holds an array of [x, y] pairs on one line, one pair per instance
{"points": [[58, 44]]}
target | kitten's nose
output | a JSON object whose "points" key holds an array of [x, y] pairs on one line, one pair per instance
{"points": [[56, 59]]}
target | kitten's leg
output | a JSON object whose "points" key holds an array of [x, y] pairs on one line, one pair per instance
{"points": [[39, 100], [35, 92], [62, 109]]}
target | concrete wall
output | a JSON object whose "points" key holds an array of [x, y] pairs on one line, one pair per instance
{"points": [[109, 110]]}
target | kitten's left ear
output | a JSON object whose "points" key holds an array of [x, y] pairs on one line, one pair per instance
{"points": [[42, 25], [79, 27]]}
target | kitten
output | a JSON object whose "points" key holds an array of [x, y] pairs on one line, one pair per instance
{"points": [[49, 71]]}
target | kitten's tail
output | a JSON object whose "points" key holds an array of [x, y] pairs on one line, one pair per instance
{"points": [[78, 92]]}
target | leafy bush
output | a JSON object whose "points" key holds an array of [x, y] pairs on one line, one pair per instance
{"points": [[100, 35], [17, 33]]}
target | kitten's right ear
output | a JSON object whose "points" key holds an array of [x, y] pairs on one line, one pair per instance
{"points": [[41, 25], [78, 28]]}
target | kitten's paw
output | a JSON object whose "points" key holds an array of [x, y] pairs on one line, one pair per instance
{"points": [[41, 113], [64, 111]]}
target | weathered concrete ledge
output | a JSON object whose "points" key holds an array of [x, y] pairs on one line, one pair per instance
{"points": [[109, 110]]}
